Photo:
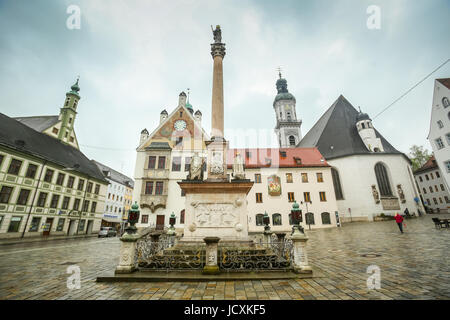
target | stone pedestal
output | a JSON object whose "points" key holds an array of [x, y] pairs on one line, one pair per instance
{"points": [[211, 266], [127, 253], [216, 209], [301, 264], [217, 149], [267, 236]]}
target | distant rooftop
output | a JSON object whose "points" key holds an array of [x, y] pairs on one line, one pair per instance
{"points": [[38, 123], [115, 175]]}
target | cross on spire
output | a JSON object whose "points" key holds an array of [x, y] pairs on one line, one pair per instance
{"points": [[279, 71]]}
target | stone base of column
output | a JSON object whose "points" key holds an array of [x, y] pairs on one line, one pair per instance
{"points": [[211, 270], [127, 254]]}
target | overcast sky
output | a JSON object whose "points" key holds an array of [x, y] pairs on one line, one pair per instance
{"points": [[135, 57]]}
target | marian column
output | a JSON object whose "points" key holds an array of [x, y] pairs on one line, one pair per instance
{"points": [[217, 147]]}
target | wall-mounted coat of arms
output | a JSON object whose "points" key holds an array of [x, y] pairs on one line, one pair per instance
{"points": [[274, 185]]}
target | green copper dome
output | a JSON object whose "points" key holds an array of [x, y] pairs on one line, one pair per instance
{"points": [[295, 206], [283, 93], [189, 107], [75, 88]]}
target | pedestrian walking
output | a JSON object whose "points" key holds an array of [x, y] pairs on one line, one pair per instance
{"points": [[399, 220], [406, 212]]}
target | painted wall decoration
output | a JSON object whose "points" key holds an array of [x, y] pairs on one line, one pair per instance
{"points": [[274, 185]]}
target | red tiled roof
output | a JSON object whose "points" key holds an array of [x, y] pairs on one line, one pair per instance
{"points": [[430, 164], [272, 157], [445, 82]]}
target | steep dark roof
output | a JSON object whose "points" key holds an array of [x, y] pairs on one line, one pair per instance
{"points": [[445, 82], [20, 137], [38, 123], [336, 128], [115, 175]]}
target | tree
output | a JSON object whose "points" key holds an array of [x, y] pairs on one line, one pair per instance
{"points": [[419, 156]]}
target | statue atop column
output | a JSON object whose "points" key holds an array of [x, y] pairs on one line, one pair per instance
{"points": [[196, 168], [217, 34], [238, 168]]}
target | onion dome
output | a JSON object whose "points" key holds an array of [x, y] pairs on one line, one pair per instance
{"points": [[75, 88], [189, 107], [283, 93], [362, 116]]}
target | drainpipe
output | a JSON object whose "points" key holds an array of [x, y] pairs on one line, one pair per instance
{"points": [[34, 197]]}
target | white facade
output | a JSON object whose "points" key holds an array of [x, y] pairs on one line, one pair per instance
{"points": [[432, 189], [439, 134], [357, 176], [115, 200]]}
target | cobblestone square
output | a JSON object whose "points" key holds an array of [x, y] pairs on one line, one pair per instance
{"points": [[413, 265]]}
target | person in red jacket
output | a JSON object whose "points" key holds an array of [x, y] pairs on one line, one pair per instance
{"points": [[399, 220]]}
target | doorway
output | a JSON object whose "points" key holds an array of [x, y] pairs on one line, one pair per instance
{"points": [[48, 227], [160, 222], [72, 225], [89, 226]]}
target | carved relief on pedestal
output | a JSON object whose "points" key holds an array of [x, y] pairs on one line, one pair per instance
{"points": [[215, 214], [212, 259], [400, 193], [375, 194], [217, 163]]}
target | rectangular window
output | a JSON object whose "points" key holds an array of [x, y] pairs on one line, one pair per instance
{"points": [[440, 200], [439, 143], [447, 136], [23, 197], [162, 163], [426, 177], [437, 174], [306, 197], [89, 187], [149, 187], [144, 218], [97, 189], [436, 189], [259, 198], [187, 163], [447, 200], [76, 204], [60, 179], [440, 124], [151, 162], [319, 177], [80, 184], [179, 141], [1, 161], [31, 171], [304, 177], [41, 199], [183, 193], [14, 167], [94, 207], [420, 178], [447, 165], [5, 194], [60, 225], [159, 187], [322, 196], [55, 200], [291, 197], [182, 214], [48, 175], [65, 204], [176, 164], [431, 175], [442, 187], [289, 178], [431, 189], [14, 224], [81, 226], [435, 201], [257, 178], [70, 182], [35, 224], [86, 205]]}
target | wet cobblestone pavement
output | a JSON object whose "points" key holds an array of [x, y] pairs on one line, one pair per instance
{"points": [[413, 265]]}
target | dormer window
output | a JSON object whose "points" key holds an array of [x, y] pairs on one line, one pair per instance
{"points": [[283, 154], [298, 161]]}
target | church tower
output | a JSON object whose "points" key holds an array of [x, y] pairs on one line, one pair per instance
{"points": [[288, 126], [67, 115], [367, 132]]}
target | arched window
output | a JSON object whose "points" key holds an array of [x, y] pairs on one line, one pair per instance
{"points": [[182, 216], [445, 102], [326, 218], [309, 218], [291, 222], [337, 184], [376, 150], [383, 180], [292, 140], [289, 116], [276, 219], [259, 219]]}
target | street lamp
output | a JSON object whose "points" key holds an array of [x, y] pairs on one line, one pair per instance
{"points": [[172, 221], [133, 218], [296, 214]]}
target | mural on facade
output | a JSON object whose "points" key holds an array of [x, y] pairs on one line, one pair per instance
{"points": [[274, 185]]}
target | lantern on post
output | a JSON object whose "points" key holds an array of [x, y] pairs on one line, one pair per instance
{"points": [[133, 218], [172, 221], [296, 216]]}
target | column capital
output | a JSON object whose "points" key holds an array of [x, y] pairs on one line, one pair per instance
{"points": [[218, 49]]}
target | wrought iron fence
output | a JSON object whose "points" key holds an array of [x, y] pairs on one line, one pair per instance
{"points": [[263, 256]]}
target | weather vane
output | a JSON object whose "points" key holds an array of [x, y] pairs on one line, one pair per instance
{"points": [[279, 71]]}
